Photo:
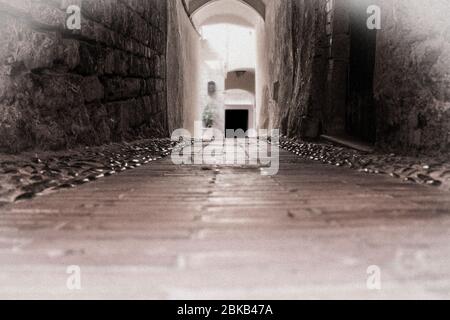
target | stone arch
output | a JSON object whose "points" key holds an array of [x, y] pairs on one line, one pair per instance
{"points": [[257, 5], [241, 79]]}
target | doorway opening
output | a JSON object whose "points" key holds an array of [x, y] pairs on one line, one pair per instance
{"points": [[237, 121], [360, 112]]}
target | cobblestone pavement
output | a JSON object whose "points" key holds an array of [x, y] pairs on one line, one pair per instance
{"points": [[27, 175], [163, 231], [431, 171]]}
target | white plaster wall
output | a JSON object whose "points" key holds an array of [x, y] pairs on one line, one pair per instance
{"points": [[262, 86], [183, 69], [224, 47]]}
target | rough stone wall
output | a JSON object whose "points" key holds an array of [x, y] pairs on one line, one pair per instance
{"points": [[338, 40], [262, 93], [296, 43], [183, 68], [309, 42], [412, 79], [60, 88], [306, 92], [278, 42]]}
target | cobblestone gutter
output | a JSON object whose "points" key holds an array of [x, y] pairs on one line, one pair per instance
{"points": [[430, 171], [24, 176]]}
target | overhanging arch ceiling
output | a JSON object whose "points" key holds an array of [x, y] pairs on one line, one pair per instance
{"points": [[257, 5]]}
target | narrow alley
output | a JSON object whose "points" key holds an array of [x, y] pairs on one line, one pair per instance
{"points": [[117, 118]]}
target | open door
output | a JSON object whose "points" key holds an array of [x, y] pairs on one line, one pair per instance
{"points": [[360, 113], [236, 120]]}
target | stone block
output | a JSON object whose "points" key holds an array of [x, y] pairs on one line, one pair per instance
{"points": [[119, 89], [92, 89], [91, 59], [45, 15], [98, 116], [21, 46]]}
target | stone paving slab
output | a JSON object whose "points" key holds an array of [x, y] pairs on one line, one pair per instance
{"points": [[163, 231]]}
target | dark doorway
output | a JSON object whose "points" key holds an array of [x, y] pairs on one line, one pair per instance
{"points": [[360, 114], [236, 120]]}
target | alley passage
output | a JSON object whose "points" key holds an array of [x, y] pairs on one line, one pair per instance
{"points": [[166, 231]]}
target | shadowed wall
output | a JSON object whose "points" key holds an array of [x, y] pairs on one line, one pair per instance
{"points": [[61, 88]]}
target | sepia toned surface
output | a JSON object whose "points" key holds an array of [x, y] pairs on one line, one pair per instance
{"points": [[174, 232], [88, 191]]}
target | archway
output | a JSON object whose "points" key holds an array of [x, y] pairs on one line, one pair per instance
{"points": [[241, 79], [195, 5], [229, 55]]}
